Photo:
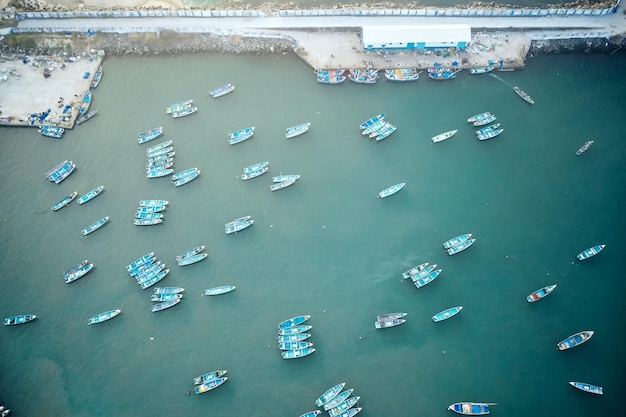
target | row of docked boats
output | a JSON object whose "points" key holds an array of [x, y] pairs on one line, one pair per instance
{"points": [[51, 131], [238, 224], [377, 127], [337, 403], [160, 159], [292, 337], [255, 170], [60, 172], [209, 381], [283, 181], [147, 270], [191, 256], [149, 212], [458, 243], [95, 225], [82, 200], [77, 271], [221, 90]]}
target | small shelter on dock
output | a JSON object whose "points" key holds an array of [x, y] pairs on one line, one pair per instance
{"points": [[415, 36]]}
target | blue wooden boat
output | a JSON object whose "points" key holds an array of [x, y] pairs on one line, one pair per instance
{"points": [[158, 146], [97, 77], [76, 273], [298, 337], [343, 406], [159, 172], [584, 148], [484, 119], [313, 413], [20, 319], [280, 185], [208, 386], [159, 298], [540, 293], [184, 112], [460, 247], [421, 274], [240, 135], [150, 209], [471, 409], [292, 322], [342, 396], [294, 345], [297, 130], [390, 316], [95, 226], [153, 280], [457, 240], [588, 253], [91, 194], [486, 130], [391, 190], [481, 70], [64, 201], [329, 394], [52, 131], [164, 305], [416, 269], [159, 152], [149, 135], [489, 134], [330, 79], [402, 74], [254, 174], [446, 314], [107, 315], [190, 252], [442, 75], [302, 328], [146, 272], [281, 178], [350, 413], [183, 177], [148, 203], [297, 353], [583, 386], [61, 172], [239, 220], [388, 323], [168, 290], [209, 376], [149, 216], [574, 340], [145, 269], [82, 119], [420, 282], [221, 90], [219, 290], [238, 227], [479, 118], [140, 261], [255, 167], [177, 106], [84, 106]]}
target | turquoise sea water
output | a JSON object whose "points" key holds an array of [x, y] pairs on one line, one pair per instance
{"points": [[325, 246]]}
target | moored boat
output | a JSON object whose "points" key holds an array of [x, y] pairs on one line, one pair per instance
{"points": [[281, 178], [85, 117], [486, 130], [240, 135], [168, 290], [212, 384], [372, 121], [91, 194], [480, 118], [410, 272], [149, 135], [97, 77], [164, 305], [209, 376], [583, 386], [491, 133], [443, 136], [221, 90], [588, 253], [192, 259], [460, 247], [421, 274], [391, 190], [297, 353], [329, 394], [159, 298], [523, 95], [145, 259], [255, 167], [338, 398], [456, 240], [187, 177], [442, 74], [237, 227], [540, 293], [19, 319], [575, 340], [427, 279], [147, 203], [184, 112], [402, 74], [147, 222], [294, 345], [64, 201], [149, 216], [313, 413], [165, 144], [51, 131], [158, 172], [185, 104], [95, 226], [470, 409], [294, 321], [481, 70], [390, 316], [84, 106], [297, 130], [302, 328], [190, 252], [388, 323], [62, 172], [150, 209], [76, 273], [159, 152], [107, 315], [254, 174], [330, 79], [298, 337], [219, 290], [385, 131], [344, 406], [280, 185], [447, 313], [583, 148], [239, 220]]}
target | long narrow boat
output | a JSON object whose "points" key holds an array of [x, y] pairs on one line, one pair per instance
{"points": [[479, 119], [239, 220], [147, 222], [446, 314], [107, 315], [456, 240], [485, 130], [254, 174], [255, 167], [158, 172], [481, 70], [583, 386], [149, 216], [240, 135], [351, 412], [165, 144], [280, 185], [150, 282], [343, 406], [144, 268], [85, 117], [180, 105], [186, 176], [391, 190], [302, 328], [540, 293], [489, 134], [421, 274], [84, 106], [460, 247], [64, 201], [20, 319], [402, 74], [75, 268], [192, 259], [190, 252], [184, 112], [140, 261], [151, 209], [298, 337], [52, 131], [164, 305], [77, 273], [575, 340], [281, 178], [420, 282], [149, 135], [208, 386], [583, 148], [148, 203], [385, 131], [297, 130], [471, 409], [297, 353], [238, 227], [443, 136], [95, 226], [148, 272], [168, 290], [388, 323], [91, 194], [62, 173], [390, 316], [295, 321], [313, 413], [338, 399], [97, 77], [159, 152], [416, 269], [209, 376], [523, 95], [372, 121], [224, 289], [329, 394], [294, 345], [159, 298], [330, 79], [221, 90], [588, 253]]}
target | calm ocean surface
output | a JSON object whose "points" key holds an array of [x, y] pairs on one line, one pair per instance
{"points": [[325, 246]]}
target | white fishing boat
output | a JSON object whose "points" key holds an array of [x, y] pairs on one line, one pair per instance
{"points": [[280, 185], [443, 136], [391, 190], [221, 90], [297, 130]]}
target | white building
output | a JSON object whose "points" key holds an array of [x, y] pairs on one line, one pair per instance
{"points": [[415, 36]]}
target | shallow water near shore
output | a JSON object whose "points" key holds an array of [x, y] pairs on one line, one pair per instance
{"points": [[325, 246]]}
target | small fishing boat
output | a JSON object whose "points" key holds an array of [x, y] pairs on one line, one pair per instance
{"points": [[107, 315], [162, 145], [330, 79], [164, 305], [183, 173], [85, 117], [159, 298], [390, 316], [20, 319], [240, 135], [523, 95], [158, 172], [168, 290], [64, 201], [294, 330], [421, 274], [75, 268], [384, 131], [372, 121], [481, 70], [489, 134], [342, 407], [540, 293], [363, 78], [446, 314], [420, 282], [575, 340], [410, 272], [147, 222], [149, 135], [185, 104], [97, 77], [456, 240], [84, 106], [62, 173], [219, 290], [313, 413], [443, 136], [388, 323], [480, 117], [297, 130], [212, 384], [190, 252], [402, 74], [239, 220], [298, 337], [471, 409], [148, 282], [588, 253], [91, 194], [254, 174], [486, 130], [145, 259], [391, 190], [338, 399], [159, 152], [281, 178], [238, 227], [297, 353], [147, 272], [209, 376], [330, 72], [460, 247], [294, 345], [280, 185], [150, 209], [95, 226], [76, 273], [583, 386], [148, 203], [184, 112], [149, 216], [192, 259], [295, 321], [583, 148], [221, 90], [329, 394], [187, 177], [442, 74], [255, 167]]}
